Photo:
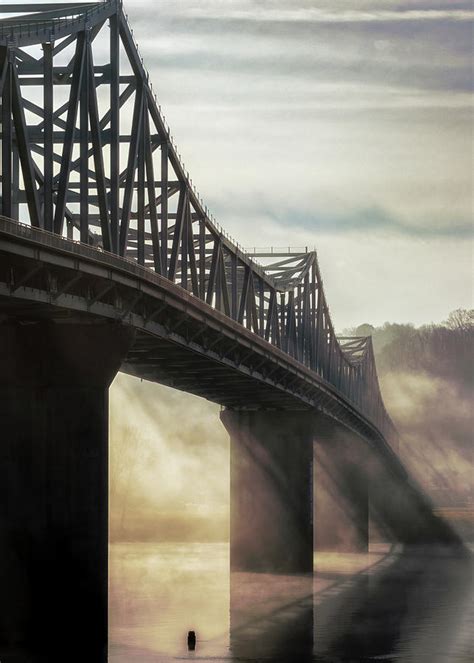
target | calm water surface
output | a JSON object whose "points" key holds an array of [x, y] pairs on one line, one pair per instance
{"points": [[405, 606]]}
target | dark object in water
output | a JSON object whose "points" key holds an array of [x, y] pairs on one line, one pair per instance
{"points": [[191, 640]]}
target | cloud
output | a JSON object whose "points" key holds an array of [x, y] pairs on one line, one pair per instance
{"points": [[336, 11], [368, 220], [269, 14]]}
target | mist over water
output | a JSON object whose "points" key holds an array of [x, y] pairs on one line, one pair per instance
{"points": [[407, 606], [169, 452], [169, 526], [169, 465]]}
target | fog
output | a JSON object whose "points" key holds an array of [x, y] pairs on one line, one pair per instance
{"points": [[169, 452], [169, 464]]}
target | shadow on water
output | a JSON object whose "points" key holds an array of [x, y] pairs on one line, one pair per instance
{"points": [[271, 617], [410, 610], [411, 606]]}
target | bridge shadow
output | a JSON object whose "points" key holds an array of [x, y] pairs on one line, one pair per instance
{"points": [[355, 483], [409, 606], [271, 617]]}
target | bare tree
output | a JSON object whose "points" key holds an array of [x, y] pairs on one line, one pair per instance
{"points": [[461, 319]]}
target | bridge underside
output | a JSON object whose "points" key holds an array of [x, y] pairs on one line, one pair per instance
{"points": [[179, 340]]}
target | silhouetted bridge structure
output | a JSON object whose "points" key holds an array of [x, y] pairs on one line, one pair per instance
{"points": [[110, 260]]}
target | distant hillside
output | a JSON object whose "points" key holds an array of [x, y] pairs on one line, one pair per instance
{"points": [[427, 379], [444, 350]]}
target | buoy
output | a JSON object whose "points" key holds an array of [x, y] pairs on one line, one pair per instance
{"points": [[191, 640]]}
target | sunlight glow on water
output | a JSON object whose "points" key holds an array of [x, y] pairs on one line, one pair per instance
{"points": [[405, 606]]}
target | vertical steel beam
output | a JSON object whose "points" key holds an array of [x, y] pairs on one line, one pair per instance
{"points": [[306, 321], [330, 356], [27, 164], [7, 132], [261, 307], [114, 132], [270, 316], [299, 325], [150, 178], [252, 319], [48, 101], [224, 288], [164, 206], [84, 147], [213, 271], [244, 294], [291, 326], [4, 60], [282, 321], [313, 317], [276, 324], [184, 245], [15, 181], [202, 258], [219, 284], [69, 134], [141, 188], [192, 255], [178, 231], [96, 138], [136, 131], [234, 286]]}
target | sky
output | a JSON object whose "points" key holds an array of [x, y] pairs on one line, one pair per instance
{"points": [[340, 125], [344, 126]]}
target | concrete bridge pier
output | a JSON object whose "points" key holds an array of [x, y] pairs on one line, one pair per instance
{"points": [[341, 488], [54, 380], [271, 508]]}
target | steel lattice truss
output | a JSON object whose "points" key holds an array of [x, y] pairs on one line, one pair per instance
{"points": [[86, 154]]}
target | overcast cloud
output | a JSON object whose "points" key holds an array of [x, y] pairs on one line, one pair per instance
{"points": [[340, 125], [344, 125]]}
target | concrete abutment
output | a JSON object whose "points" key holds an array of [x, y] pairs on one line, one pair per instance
{"points": [[54, 380]]}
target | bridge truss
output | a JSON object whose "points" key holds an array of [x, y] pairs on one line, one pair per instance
{"points": [[86, 155]]}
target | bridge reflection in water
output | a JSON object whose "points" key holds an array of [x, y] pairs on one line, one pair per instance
{"points": [[401, 605]]}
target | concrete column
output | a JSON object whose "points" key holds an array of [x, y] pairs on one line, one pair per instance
{"points": [[271, 464], [341, 489], [54, 381]]}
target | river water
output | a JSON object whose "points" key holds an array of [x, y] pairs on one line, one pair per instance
{"points": [[410, 606]]}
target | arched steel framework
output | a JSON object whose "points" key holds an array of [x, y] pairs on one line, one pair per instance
{"points": [[86, 154]]}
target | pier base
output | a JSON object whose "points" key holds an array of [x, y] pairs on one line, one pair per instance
{"points": [[54, 381], [271, 464]]}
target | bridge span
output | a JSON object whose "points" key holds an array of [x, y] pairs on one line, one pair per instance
{"points": [[109, 260]]}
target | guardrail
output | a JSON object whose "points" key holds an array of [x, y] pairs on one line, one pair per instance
{"points": [[9, 29]]}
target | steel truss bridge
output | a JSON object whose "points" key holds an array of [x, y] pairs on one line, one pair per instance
{"points": [[100, 220]]}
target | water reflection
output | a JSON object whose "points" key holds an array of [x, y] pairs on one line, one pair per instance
{"points": [[399, 605], [271, 617]]}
